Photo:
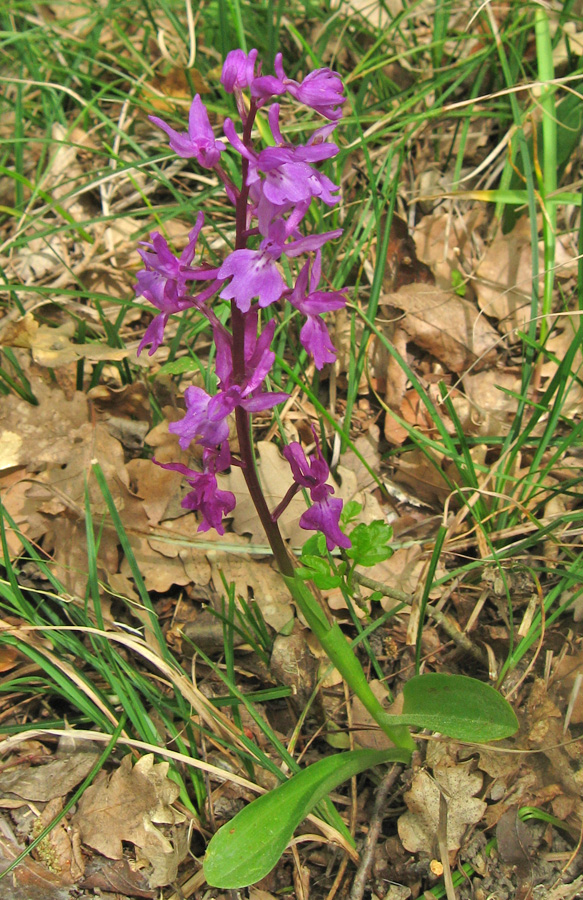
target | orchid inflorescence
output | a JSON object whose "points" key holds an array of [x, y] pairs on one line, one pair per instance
{"points": [[278, 184]]}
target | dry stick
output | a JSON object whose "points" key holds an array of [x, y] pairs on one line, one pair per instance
{"points": [[376, 823], [460, 639], [442, 843]]}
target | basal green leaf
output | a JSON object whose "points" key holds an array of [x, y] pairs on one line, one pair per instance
{"points": [[460, 707], [245, 849]]}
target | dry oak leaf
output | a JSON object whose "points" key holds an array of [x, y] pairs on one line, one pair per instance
{"points": [[447, 242], [52, 780], [127, 806], [503, 279], [445, 325], [31, 880], [53, 347], [31, 435], [275, 475], [418, 827]]}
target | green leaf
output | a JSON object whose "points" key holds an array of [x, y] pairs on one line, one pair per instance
{"points": [[245, 849], [314, 546], [460, 707], [350, 511], [178, 366], [317, 569], [369, 543]]}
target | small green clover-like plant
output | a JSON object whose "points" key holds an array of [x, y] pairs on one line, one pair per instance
{"points": [[370, 543], [316, 565]]}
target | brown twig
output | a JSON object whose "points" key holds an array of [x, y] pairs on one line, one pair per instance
{"points": [[376, 823], [460, 639]]}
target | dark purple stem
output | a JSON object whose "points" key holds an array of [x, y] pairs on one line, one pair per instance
{"points": [[242, 418]]}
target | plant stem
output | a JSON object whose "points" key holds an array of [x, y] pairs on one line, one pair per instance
{"points": [[242, 418]]}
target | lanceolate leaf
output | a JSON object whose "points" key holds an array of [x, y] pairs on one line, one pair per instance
{"points": [[245, 849], [460, 707]]}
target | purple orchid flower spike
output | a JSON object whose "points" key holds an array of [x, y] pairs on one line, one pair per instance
{"points": [[314, 335], [199, 142], [324, 514], [272, 200]]}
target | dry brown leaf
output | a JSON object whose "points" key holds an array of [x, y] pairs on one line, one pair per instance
{"points": [[564, 678], [366, 731], [65, 482], [403, 571], [368, 447], [294, 665], [492, 407], [161, 490], [128, 806], [445, 325], [66, 541], [14, 488], [160, 572], [40, 259], [418, 827], [514, 840], [52, 780], [116, 877], [60, 850], [32, 435], [31, 880], [416, 474], [266, 584], [129, 400], [503, 278], [275, 476], [53, 347], [445, 242]]}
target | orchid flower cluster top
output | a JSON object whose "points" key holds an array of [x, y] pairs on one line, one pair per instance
{"points": [[278, 184]]}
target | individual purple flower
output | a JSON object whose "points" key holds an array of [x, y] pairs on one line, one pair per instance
{"points": [[206, 419], [199, 142], [257, 354], [314, 335], [317, 147], [254, 272], [321, 90], [163, 282], [254, 275], [284, 174], [311, 473], [206, 498], [324, 514], [238, 70]]}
